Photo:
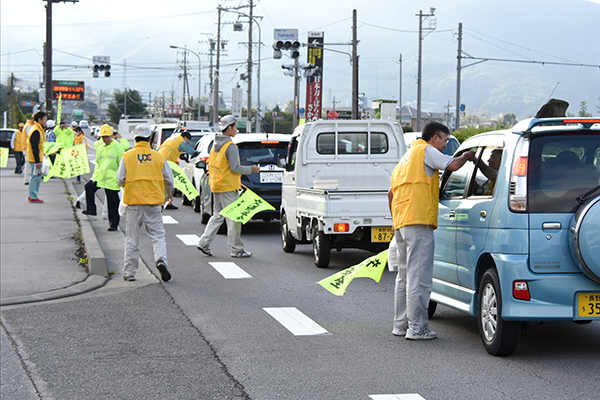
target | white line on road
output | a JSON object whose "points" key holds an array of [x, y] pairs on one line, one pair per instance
{"points": [[230, 270], [409, 396], [167, 219], [296, 322], [189, 240]]}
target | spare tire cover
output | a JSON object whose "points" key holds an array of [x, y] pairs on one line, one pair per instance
{"points": [[585, 238]]}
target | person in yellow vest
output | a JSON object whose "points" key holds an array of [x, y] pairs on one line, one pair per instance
{"points": [[413, 201], [224, 175], [27, 172], [172, 148], [18, 143], [35, 154], [108, 157], [145, 175]]}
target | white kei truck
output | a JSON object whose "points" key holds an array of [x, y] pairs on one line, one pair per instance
{"points": [[334, 192]]}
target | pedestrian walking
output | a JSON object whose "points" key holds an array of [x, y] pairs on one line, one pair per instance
{"points": [[18, 142], [225, 182], [35, 154], [27, 173], [108, 156], [413, 201], [79, 139], [145, 175], [172, 148]]}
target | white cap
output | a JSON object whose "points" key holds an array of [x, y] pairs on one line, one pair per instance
{"points": [[142, 131], [50, 123], [74, 123], [226, 121]]}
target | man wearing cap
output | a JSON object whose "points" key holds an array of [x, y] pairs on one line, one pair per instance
{"points": [[18, 143], [172, 148], [35, 154], [145, 174], [64, 135], [224, 172], [108, 156]]}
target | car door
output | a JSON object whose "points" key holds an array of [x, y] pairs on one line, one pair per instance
{"points": [[288, 188]]}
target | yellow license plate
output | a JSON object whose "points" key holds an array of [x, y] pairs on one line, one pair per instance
{"points": [[382, 233], [588, 305]]}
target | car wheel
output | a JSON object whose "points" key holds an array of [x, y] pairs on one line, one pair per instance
{"points": [[583, 238], [287, 240], [321, 248], [499, 337], [431, 309]]}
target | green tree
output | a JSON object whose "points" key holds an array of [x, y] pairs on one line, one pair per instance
{"points": [[135, 105], [508, 120], [583, 110]]}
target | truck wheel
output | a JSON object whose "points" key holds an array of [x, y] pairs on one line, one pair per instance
{"points": [[499, 337], [287, 240], [321, 248]]}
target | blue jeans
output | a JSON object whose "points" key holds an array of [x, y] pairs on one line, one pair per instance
{"points": [[34, 183]]}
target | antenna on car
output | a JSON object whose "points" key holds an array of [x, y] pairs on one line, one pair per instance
{"points": [[549, 97]]}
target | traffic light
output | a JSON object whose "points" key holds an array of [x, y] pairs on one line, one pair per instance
{"points": [[100, 67], [277, 45], [289, 69], [292, 46], [295, 49]]}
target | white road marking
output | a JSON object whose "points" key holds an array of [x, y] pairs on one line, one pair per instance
{"points": [[230, 270], [295, 321], [167, 219], [189, 240], [409, 396]]}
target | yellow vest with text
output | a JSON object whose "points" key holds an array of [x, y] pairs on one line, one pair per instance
{"points": [[415, 195], [170, 148], [144, 180], [20, 140], [220, 177], [36, 127]]}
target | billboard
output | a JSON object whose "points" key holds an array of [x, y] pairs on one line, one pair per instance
{"points": [[314, 83], [70, 90]]}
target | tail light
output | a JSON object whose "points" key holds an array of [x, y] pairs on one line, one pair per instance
{"points": [[521, 290], [341, 227], [517, 197]]}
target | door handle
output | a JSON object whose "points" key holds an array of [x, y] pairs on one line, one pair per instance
{"points": [[452, 214]]}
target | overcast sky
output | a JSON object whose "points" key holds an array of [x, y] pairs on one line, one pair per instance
{"points": [[137, 37]]}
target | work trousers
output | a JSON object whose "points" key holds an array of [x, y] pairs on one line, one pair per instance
{"points": [[149, 216], [27, 172], [112, 199], [34, 181], [414, 279], [234, 229], [19, 162]]}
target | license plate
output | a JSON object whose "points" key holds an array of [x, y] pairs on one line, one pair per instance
{"points": [[271, 177], [588, 305], [382, 233]]}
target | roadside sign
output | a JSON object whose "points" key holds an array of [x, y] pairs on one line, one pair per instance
{"points": [[28, 103], [285, 34], [101, 60], [278, 117], [71, 90]]}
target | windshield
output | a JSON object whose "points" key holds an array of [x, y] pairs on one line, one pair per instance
{"points": [[266, 152]]}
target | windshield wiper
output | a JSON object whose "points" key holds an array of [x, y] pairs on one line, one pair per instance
{"points": [[581, 199]]}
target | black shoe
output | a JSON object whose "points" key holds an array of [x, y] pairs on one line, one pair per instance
{"points": [[111, 229], [77, 204], [86, 212], [162, 267], [171, 207]]}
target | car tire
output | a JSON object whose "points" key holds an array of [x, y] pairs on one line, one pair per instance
{"points": [[321, 248], [431, 308], [583, 238], [500, 337], [288, 243]]}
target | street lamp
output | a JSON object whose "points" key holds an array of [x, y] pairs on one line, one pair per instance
{"points": [[199, 73]]}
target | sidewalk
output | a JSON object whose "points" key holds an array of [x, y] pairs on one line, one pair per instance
{"points": [[38, 258]]}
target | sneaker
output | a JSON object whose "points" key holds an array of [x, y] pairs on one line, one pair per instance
{"points": [[77, 204], [86, 212], [35, 200], [243, 254], [399, 332], [112, 229], [161, 265], [129, 278], [425, 334], [171, 207], [205, 250]]}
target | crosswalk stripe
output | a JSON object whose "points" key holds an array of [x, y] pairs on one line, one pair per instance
{"points": [[230, 270], [408, 396], [295, 321], [167, 219], [189, 240]]}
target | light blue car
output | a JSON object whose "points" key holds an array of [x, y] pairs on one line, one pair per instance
{"points": [[518, 235]]}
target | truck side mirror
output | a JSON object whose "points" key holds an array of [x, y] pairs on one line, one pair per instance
{"points": [[201, 164], [281, 160]]}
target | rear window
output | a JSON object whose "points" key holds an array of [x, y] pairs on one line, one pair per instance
{"points": [[265, 152], [351, 143], [561, 168]]}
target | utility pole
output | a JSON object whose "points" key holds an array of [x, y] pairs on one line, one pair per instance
{"points": [[216, 84], [354, 68], [458, 68], [249, 102], [400, 91], [296, 100], [419, 77]]}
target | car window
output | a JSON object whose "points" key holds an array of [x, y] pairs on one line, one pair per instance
{"points": [[292, 150], [351, 143], [561, 168], [456, 182], [486, 173], [264, 152], [451, 146]]}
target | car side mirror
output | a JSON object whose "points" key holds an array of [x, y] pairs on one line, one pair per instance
{"points": [[281, 161], [185, 157], [201, 164]]}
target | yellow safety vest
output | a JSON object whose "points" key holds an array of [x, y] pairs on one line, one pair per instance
{"points": [[144, 181], [36, 127], [80, 139], [20, 140], [220, 177], [415, 195], [170, 148], [107, 165]]}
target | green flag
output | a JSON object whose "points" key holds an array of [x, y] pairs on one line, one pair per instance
{"points": [[4, 156], [182, 182], [59, 110], [372, 268], [51, 147], [58, 168], [245, 207]]}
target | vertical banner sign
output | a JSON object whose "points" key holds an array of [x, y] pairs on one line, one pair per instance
{"points": [[76, 160], [59, 110], [4, 156], [236, 102], [314, 83]]}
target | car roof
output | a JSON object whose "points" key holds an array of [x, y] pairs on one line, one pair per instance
{"points": [[257, 137]]}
